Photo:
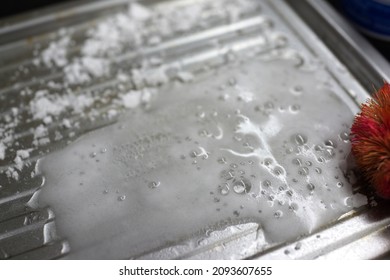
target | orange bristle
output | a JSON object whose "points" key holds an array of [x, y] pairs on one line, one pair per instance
{"points": [[370, 137]]}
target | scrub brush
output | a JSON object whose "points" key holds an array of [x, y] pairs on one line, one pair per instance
{"points": [[370, 138]]}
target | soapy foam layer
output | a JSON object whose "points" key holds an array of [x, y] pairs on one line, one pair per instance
{"points": [[263, 140]]}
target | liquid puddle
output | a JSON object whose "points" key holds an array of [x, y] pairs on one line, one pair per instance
{"points": [[192, 159]]}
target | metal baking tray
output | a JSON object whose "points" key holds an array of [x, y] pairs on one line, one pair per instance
{"points": [[313, 28]]}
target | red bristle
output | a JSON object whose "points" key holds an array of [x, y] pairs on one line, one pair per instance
{"points": [[370, 137]]}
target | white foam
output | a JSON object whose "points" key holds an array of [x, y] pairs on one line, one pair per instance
{"points": [[40, 132], [260, 144], [82, 70], [24, 154], [56, 53], [132, 99], [139, 12], [43, 105]]}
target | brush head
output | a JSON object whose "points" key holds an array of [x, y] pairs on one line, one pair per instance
{"points": [[370, 138]]}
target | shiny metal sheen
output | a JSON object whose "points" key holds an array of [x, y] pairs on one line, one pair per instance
{"points": [[27, 232]]}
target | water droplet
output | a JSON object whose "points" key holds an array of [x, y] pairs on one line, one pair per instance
{"points": [[329, 153], [321, 159], [289, 193], [299, 139], [233, 165], [309, 163], [297, 90], [193, 154], [154, 184], [310, 187], [247, 145], [297, 161], [344, 136], [293, 207], [286, 252], [278, 214], [236, 213], [266, 183], [241, 186], [298, 246], [103, 150], [250, 162], [227, 174], [330, 143], [268, 161], [278, 171], [121, 198], [339, 184], [224, 189], [295, 108], [203, 133], [348, 201], [269, 105], [216, 199], [105, 192], [318, 170], [92, 155], [303, 171], [318, 148]]}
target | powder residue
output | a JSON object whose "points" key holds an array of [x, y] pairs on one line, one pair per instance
{"points": [[2, 151]]}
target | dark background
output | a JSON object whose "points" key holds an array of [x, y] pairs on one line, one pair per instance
{"points": [[15, 7], [380, 45]]}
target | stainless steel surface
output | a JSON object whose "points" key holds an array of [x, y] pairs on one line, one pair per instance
{"points": [[27, 232], [351, 48]]}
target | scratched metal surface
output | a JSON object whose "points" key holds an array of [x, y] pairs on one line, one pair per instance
{"points": [[28, 232]]}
